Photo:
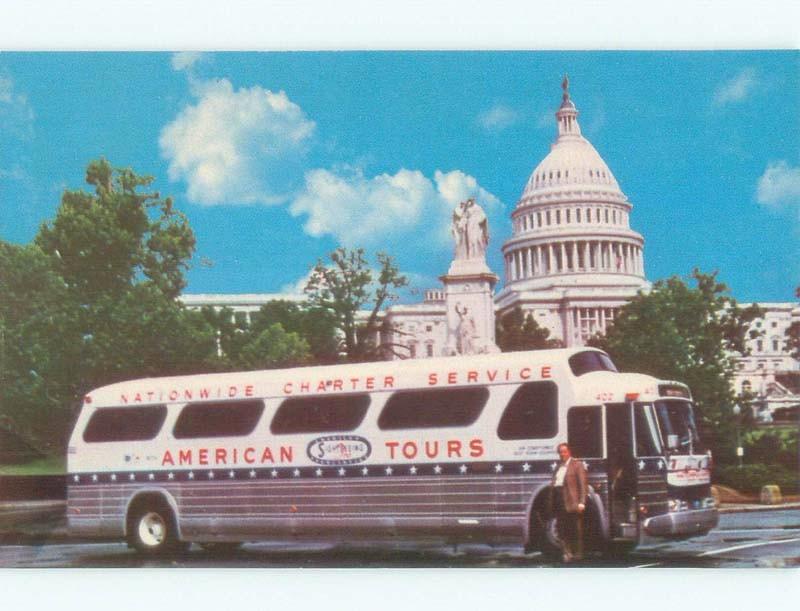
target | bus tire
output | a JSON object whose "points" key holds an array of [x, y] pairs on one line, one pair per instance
{"points": [[152, 528]]}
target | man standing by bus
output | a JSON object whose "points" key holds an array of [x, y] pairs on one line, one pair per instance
{"points": [[569, 498]]}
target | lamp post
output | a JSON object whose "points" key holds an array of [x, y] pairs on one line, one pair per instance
{"points": [[739, 449]]}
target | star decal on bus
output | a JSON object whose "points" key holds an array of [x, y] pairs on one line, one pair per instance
{"points": [[151, 476], [413, 470], [113, 477], [252, 473], [437, 469], [641, 465], [318, 472], [274, 473], [296, 472], [191, 474], [463, 468], [76, 478], [132, 477], [526, 467], [231, 474], [210, 475], [498, 468], [170, 475], [341, 471], [364, 471], [94, 477], [389, 470]]}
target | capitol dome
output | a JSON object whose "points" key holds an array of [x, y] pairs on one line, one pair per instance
{"points": [[571, 237]]}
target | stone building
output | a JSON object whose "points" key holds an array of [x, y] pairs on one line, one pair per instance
{"points": [[572, 261]]}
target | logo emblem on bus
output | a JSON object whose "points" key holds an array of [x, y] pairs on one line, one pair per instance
{"points": [[339, 450]]}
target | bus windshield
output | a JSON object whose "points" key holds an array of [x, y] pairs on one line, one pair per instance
{"points": [[677, 418]]}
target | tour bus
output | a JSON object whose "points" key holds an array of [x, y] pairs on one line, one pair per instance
{"points": [[452, 449]]}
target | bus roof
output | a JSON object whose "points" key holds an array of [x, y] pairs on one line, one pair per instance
{"points": [[352, 377]]}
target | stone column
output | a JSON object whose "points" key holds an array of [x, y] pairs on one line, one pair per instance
{"points": [[529, 255], [574, 257], [563, 257]]}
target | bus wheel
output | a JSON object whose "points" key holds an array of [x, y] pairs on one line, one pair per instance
{"points": [[221, 548], [151, 528]]}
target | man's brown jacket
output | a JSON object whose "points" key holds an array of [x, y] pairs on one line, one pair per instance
{"points": [[575, 488]]}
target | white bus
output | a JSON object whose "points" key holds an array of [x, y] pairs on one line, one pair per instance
{"points": [[453, 449]]}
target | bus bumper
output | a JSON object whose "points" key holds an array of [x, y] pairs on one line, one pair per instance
{"points": [[681, 523]]}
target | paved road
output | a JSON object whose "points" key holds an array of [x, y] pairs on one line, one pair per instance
{"points": [[757, 539]]}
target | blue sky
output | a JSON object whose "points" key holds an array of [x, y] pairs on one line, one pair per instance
{"points": [[277, 158]]}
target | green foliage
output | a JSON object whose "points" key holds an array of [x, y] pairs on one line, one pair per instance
{"points": [[773, 446], [274, 347], [314, 325], [752, 477], [40, 345], [516, 331], [108, 240], [92, 301], [348, 284], [691, 334]]}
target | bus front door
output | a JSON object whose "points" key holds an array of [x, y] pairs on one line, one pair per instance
{"points": [[622, 472]]}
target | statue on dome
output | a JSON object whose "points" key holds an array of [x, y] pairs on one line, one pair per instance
{"points": [[470, 228]]}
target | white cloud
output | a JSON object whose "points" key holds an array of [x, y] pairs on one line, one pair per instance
{"points": [[184, 60], [498, 117], [16, 114], [237, 146], [737, 88], [779, 185], [297, 287], [372, 211]]}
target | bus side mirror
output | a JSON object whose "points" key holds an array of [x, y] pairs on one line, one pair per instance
{"points": [[672, 441]]}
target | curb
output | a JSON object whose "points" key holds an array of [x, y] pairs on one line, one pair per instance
{"points": [[753, 507]]}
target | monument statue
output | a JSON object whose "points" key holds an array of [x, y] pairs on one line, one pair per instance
{"points": [[465, 340], [470, 228]]}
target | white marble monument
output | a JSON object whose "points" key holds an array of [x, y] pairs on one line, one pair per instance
{"points": [[469, 285]]}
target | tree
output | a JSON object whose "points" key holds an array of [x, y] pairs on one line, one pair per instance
{"points": [[346, 286], [40, 344], [690, 334], [93, 301], [313, 324], [517, 331], [274, 347], [107, 241]]}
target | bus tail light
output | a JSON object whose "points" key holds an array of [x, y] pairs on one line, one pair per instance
{"points": [[631, 396]]}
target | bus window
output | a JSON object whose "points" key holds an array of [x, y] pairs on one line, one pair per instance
{"points": [[125, 423], [531, 413], [585, 431], [223, 419], [320, 414], [584, 362], [677, 418], [433, 408], [647, 441]]}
